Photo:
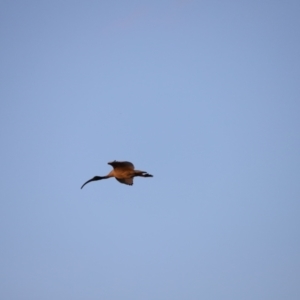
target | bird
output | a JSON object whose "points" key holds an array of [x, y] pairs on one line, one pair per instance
{"points": [[123, 171]]}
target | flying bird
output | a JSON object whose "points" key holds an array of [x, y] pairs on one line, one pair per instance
{"points": [[123, 171]]}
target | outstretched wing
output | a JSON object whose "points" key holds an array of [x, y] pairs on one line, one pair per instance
{"points": [[122, 165], [128, 181]]}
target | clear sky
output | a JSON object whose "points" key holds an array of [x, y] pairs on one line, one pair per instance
{"points": [[204, 95]]}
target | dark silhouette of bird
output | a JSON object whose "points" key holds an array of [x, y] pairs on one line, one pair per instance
{"points": [[123, 171]]}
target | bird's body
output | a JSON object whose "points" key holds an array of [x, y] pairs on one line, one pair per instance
{"points": [[123, 171]]}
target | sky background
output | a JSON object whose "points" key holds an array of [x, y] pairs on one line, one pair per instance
{"points": [[204, 95]]}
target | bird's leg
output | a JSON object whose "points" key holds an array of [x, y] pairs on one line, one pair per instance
{"points": [[147, 175], [142, 174]]}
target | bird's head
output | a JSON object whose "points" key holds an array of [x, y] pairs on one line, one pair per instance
{"points": [[94, 179]]}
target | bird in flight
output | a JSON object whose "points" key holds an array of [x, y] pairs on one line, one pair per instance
{"points": [[123, 171]]}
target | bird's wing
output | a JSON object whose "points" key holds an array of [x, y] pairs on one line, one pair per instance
{"points": [[122, 165], [128, 181]]}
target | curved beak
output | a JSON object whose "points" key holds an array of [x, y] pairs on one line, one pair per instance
{"points": [[93, 179]]}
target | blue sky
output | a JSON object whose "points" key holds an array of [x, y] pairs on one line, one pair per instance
{"points": [[204, 95]]}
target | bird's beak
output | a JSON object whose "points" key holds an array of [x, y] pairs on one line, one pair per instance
{"points": [[93, 179]]}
